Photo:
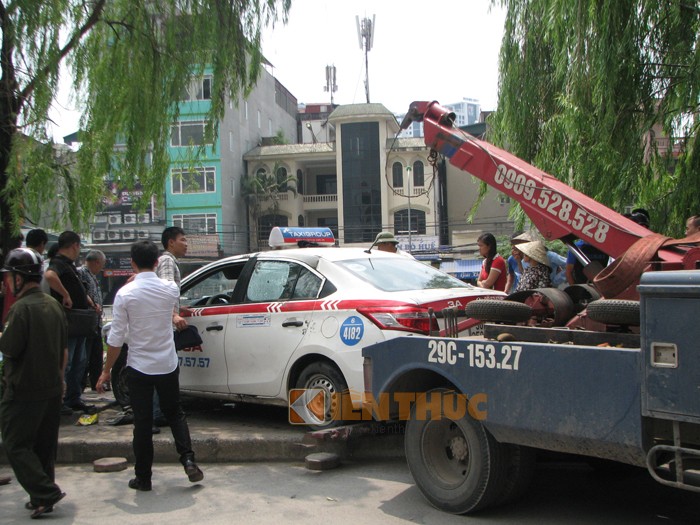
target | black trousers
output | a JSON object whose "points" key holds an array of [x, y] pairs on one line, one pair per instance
{"points": [[141, 388], [95, 359], [30, 438]]}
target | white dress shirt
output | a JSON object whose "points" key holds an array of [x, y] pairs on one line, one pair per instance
{"points": [[142, 317]]}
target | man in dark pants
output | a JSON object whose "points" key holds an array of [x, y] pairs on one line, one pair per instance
{"points": [[142, 317], [33, 345], [67, 288], [94, 263]]}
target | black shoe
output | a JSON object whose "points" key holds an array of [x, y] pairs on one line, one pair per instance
{"points": [[81, 406], [160, 421], [139, 484], [193, 471], [66, 410], [155, 430]]}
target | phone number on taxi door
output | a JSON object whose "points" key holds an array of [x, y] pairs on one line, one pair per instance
{"points": [[479, 355], [196, 362]]}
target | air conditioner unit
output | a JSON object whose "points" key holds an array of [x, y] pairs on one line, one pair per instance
{"points": [[129, 218], [99, 235], [144, 218], [114, 235], [143, 234], [115, 219], [100, 219], [128, 235]]}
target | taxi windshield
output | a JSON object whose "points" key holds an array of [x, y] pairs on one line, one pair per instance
{"points": [[400, 274]]}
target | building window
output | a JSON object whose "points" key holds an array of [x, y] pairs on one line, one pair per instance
{"points": [[196, 223], [362, 181], [202, 180], [418, 174], [267, 222], [197, 89], [300, 221], [401, 223], [187, 133], [326, 184], [329, 222], [397, 175], [281, 179], [300, 182]]}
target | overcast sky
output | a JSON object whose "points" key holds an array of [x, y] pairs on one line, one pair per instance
{"points": [[442, 50]]}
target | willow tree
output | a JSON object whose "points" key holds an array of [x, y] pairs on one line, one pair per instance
{"points": [[583, 86], [130, 60]]}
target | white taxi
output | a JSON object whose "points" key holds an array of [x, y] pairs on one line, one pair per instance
{"points": [[298, 318]]}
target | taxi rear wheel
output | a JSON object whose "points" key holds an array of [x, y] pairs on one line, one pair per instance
{"points": [[325, 376]]}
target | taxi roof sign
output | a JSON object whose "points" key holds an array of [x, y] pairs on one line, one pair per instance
{"points": [[292, 237]]}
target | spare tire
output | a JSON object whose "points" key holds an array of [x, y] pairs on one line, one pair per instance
{"points": [[498, 311], [614, 311]]}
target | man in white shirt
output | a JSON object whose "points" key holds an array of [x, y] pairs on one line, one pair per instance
{"points": [[142, 317]]}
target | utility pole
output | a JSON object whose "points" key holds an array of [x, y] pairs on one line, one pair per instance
{"points": [[365, 36]]}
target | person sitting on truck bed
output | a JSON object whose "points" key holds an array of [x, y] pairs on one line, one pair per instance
{"points": [[574, 267], [536, 274], [493, 270], [692, 225]]}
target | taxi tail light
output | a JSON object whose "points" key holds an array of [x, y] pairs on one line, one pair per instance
{"points": [[406, 318]]}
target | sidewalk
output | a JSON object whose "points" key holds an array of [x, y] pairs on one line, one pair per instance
{"points": [[221, 433]]}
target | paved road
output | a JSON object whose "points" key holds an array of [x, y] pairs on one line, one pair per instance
{"points": [[380, 492]]}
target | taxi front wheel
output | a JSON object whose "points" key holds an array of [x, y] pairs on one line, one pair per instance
{"points": [[325, 376]]}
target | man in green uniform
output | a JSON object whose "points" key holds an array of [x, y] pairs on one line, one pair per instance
{"points": [[33, 346]]}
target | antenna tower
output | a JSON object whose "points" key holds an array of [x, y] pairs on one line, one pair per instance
{"points": [[365, 36], [330, 81]]}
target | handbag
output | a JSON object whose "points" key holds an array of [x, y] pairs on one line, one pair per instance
{"points": [[81, 322], [187, 337]]}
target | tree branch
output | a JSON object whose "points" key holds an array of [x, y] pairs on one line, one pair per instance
{"points": [[70, 45]]}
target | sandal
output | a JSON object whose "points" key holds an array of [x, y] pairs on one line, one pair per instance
{"points": [[41, 510]]}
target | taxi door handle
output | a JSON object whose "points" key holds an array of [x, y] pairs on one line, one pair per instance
{"points": [[216, 328], [285, 324]]}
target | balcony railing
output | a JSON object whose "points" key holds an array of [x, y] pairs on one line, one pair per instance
{"points": [[313, 199], [414, 191], [280, 197]]}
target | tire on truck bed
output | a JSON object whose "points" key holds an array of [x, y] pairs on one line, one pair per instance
{"points": [[614, 311], [498, 311]]}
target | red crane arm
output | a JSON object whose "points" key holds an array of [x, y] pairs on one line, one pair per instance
{"points": [[557, 210]]}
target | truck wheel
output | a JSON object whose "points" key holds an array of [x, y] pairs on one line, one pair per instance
{"points": [[325, 376], [456, 463], [498, 311], [521, 467], [614, 311]]}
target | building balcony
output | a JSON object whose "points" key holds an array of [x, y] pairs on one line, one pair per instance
{"points": [[320, 202], [666, 146]]}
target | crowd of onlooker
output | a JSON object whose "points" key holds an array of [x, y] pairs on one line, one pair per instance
{"points": [[532, 265]]}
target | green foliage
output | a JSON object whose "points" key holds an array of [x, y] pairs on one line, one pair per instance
{"points": [[582, 83], [261, 193], [131, 60]]}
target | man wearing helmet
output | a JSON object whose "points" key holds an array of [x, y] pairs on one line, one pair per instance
{"points": [[33, 345]]}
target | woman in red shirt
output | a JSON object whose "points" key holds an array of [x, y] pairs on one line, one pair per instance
{"points": [[493, 270]]}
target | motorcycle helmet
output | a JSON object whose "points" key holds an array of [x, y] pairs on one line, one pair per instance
{"points": [[23, 261]]}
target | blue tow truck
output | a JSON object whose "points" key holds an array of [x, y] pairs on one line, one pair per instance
{"points": [[631, 398], [617, 378]]}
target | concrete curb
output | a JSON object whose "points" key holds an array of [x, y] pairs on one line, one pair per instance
{"points": [[222, 433]]}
